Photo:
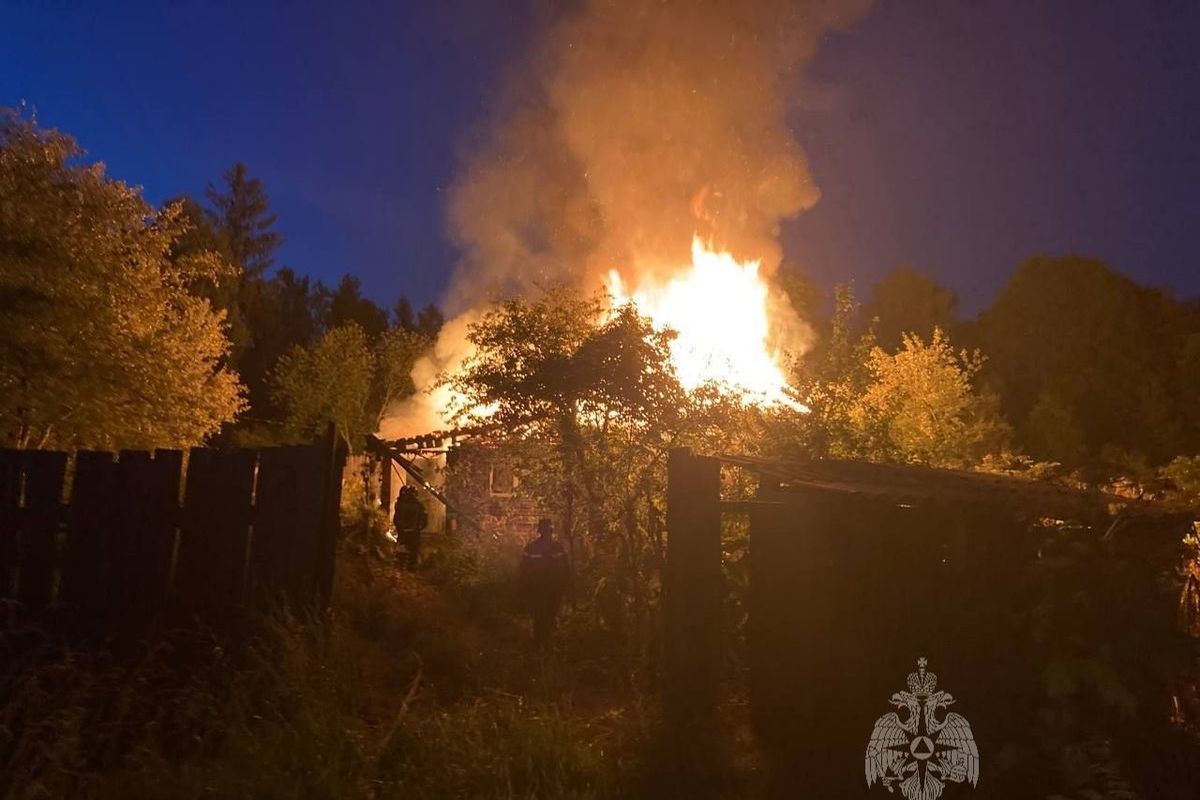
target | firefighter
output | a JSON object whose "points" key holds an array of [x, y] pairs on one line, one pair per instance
{"points": [[545, 578], [410, 520]]}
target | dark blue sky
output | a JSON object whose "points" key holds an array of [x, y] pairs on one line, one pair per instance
{"points": [[962, 136], [955, 136]]}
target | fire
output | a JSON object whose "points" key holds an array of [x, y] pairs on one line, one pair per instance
{"points": [[719, 310]]}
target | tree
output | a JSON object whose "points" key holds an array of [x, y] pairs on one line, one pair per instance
{"points": [[345, 304], [328, 382], [906, 301], [806, 298], [402, 314], [1107, 349], [396, 351], [271, 313], [427, 322], [430, 321], [281, 312], [591, 397], [584, 399], [586, 402], [240, 211], [921, 406], [224, 290], [831, 379], [561, 361], [103, 345], [1187, 371], [344, 378], [1183, 475], [1052, 433]]}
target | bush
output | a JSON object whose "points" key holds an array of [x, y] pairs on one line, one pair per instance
{"points": [[1183, 474]]}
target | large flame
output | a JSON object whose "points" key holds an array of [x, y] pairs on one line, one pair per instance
{"points": [[719, 310]]}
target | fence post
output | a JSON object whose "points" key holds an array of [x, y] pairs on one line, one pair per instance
{"points": [[385, 483], [693, 594]]}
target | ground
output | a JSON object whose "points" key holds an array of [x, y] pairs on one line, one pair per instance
{"points": [[413, 685]]}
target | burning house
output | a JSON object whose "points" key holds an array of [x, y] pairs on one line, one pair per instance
{"points": [[462, 481], [642, 150]]}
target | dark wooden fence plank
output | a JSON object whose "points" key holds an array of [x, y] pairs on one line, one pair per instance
{"points": [[11, 462], [334, 450], [846, 591], [123, 549], [210, 569], [289, 520], [86, 552], [44, 472], [144, 534]]}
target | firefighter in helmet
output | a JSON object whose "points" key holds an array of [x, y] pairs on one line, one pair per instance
{"points": [[545, 578], [410, 520]]}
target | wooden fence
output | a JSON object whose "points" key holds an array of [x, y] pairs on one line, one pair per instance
{"points": [[115, 539], [857, 570]]}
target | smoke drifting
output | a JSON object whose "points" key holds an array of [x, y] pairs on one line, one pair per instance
{"points": [[634, 125], [630, 112], [425, 411]]}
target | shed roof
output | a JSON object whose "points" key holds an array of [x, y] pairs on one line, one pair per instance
{"points": [[913, 484]]}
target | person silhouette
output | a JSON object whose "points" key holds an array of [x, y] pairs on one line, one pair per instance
{"points": [[545, 576], [410, 520]]}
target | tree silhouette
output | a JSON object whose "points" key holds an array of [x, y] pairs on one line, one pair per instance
{"points": [[906, 301], [240, 210]]}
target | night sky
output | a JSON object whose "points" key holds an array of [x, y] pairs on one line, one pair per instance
{"points": [[955, 136]]}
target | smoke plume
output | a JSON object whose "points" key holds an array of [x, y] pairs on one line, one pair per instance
{"points": [[633, 125]]}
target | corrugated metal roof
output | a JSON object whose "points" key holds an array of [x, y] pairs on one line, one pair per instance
{"points": [[903, 483]]}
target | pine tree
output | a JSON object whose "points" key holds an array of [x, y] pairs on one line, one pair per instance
{"points": [[345, 304], [430, 321], [427, 322], [241, 212]]}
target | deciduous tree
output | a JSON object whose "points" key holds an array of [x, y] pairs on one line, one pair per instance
{"points": [[830, 380], [225, 290], [922, 406], [919, 404], [103, 345], [327, 382], [281, 312], [346, 378], [1052, 433], [906, 301], [588, 403], [1106, 348]]}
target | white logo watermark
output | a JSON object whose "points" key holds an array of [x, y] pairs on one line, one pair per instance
{"points": [[918, 751]]}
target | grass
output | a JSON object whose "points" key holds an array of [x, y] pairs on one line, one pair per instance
{"points": [[413, 687]]}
